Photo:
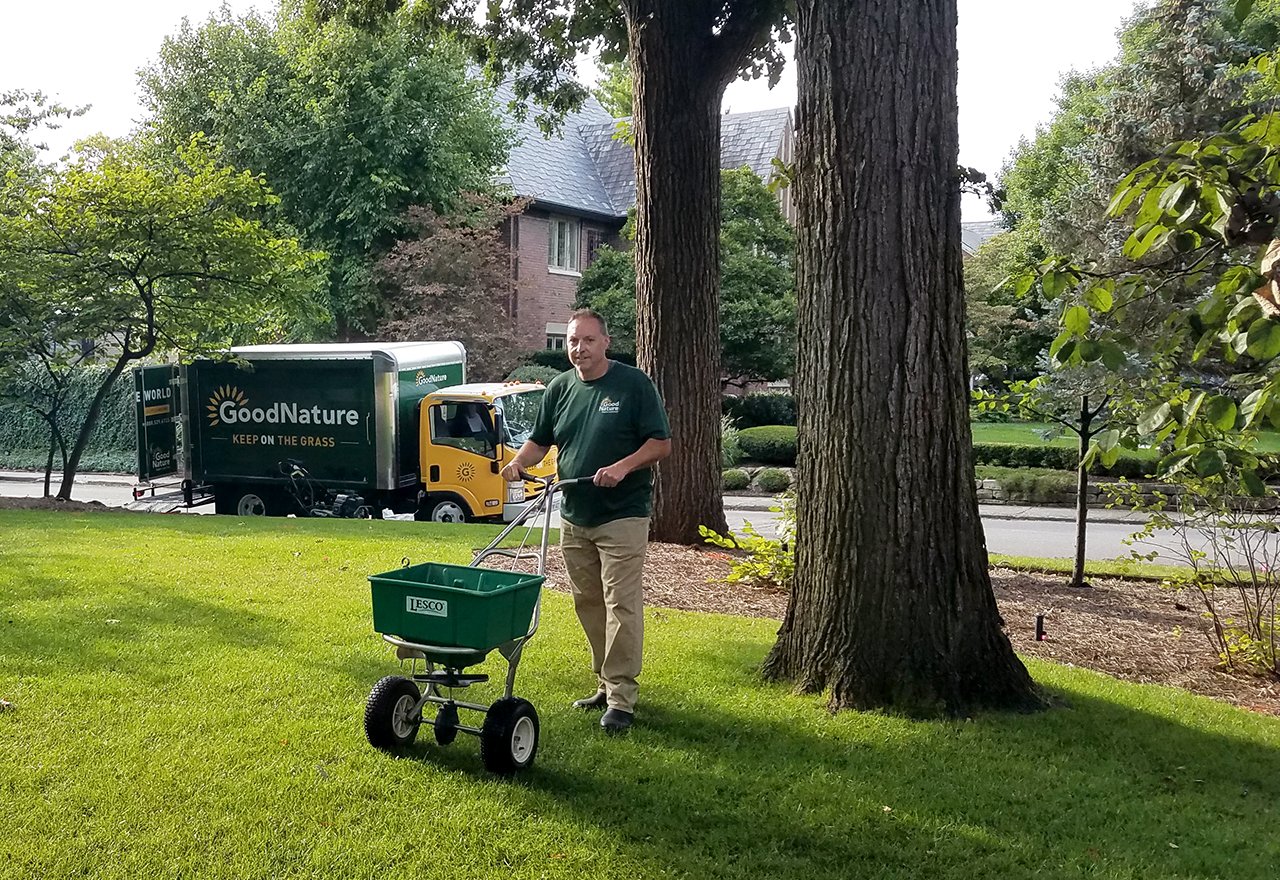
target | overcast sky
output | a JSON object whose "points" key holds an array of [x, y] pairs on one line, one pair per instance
{"points": [[1013, 54]]}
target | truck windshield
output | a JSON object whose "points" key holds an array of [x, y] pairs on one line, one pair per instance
{"points": [[519, 411]]}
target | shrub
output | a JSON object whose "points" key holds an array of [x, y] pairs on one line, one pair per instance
{"points": [[770, 444], [755, 410], [1230, 555], [1135, 466], [773, 480], [730, 446], [555, 358], [532, 373], [735, 479], [993, 416], [768, 561], [1030, 484]]}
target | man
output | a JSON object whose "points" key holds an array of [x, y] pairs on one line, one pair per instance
{"points": [[608, 422]]}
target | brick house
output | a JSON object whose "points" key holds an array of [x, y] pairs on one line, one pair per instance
{"points": [[581, 183]]}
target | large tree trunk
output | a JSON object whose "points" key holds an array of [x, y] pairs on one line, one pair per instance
{"points": [[892, 605], [677, 146]]}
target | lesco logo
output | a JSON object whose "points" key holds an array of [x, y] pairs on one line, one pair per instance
{"points": [[429, 607]]}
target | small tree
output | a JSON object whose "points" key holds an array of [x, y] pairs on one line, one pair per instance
{"points": [[452, 280], [1079, 400], [38, 355], [144, 254]]}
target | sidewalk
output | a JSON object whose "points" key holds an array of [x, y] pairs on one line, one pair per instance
{"points": [[86, 479]]}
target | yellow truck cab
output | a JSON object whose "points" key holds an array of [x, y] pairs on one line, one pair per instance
{"points": [[469, 433]]}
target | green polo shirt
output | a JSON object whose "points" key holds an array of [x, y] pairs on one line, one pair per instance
{"points": [[595, 424]]}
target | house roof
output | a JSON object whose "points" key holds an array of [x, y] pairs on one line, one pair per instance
{"points": [[586, 169], [558, 171], [753, 139], [975, 234]]}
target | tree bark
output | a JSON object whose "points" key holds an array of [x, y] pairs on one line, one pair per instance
{"points": [[677, 147], [1082, 493], [892, 605]]}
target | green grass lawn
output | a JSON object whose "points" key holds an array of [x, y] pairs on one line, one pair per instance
{"points": [[1027, 433], [188, 693]]}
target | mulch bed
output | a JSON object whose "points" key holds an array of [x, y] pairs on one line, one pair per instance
{"points": [[1131, 629]]}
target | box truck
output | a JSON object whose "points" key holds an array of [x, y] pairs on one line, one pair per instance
{"points": [[336, 430]]}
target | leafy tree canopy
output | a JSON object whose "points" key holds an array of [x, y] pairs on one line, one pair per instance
{"points": [[143, 254], [352, 118]]}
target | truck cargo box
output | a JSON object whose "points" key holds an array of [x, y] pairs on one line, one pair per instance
{"points": [[347, 412]]}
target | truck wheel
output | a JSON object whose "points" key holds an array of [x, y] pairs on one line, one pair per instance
{"points": [[442, 510], [251, 503]]}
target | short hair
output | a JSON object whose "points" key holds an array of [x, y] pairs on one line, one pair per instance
{"points": [[579, 314]]}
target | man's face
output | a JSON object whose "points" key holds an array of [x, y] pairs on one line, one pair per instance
{"points": [[587, 345]]}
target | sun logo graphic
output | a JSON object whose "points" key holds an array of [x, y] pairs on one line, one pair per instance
{"points": [[225, 394], [466, 472]]}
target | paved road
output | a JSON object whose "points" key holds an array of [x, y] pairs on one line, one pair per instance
{"points": [[1010, 529]]}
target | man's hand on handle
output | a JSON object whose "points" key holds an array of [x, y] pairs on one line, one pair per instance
{"points": [[610, 476]]}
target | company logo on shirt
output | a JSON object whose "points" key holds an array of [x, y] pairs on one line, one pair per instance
{"points": [[608, 406]]}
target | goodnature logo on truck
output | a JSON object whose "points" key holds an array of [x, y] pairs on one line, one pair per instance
{"points": [[228, 405]]}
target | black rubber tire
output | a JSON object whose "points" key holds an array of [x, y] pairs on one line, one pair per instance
{"points": [[435, 507], [384, 724], [445, 726], [509, 737]]}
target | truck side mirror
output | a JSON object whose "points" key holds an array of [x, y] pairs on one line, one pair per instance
{"points": [[500, 434]]}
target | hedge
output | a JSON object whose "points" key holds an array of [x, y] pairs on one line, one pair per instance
{"points": [[24, 435], [756, 410], [734, 479], [776, 444], [532, 373], [558, 358], [770, 444], [1060, 458]]}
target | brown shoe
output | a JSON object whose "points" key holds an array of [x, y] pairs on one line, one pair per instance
{"points": [[598, 700]]}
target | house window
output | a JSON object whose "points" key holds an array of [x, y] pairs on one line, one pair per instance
{"points": [[556, 334], [595, 238], [562, 250], [555, 342]]}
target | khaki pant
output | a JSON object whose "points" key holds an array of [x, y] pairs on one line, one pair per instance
{"points": [[606, 569]]}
